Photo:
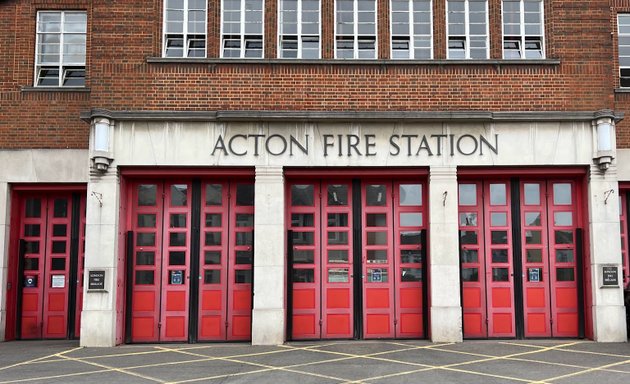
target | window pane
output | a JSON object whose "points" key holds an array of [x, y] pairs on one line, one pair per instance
{"points": [[376, 219], [468, 194], [534, 256], [377, 256], [498, 194], [214, 194], [303, 256], [468, 237], [303, 238], [499, 237], [338, 256], [179, 195], [533, 237], [499, 255], [245, 195], [469, 256], [470, 274], [147, 220], [410, 256], [338, 220], [498, 219], [212, 219], [376, 195], [565, 274], [212, 258], [212, 276], [145, 258], [500, 274], [563, 218], [302, 195], [337, 238], [411, 274], [411, 219], [532, 219], [468, 219], [532, 194], [562, 194], [303, 276], [302, 220], [337, 195], [147, 194], [410, 194]]}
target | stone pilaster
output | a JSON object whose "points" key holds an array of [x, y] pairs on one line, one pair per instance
{"points": [[609, 318], [268, 316], [98, 318], [446, 310]]}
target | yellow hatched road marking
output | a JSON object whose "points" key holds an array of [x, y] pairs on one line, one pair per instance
{"points": [[58, 354], [584, 372]]}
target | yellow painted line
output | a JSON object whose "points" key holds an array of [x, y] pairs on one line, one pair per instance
{"points": [[266, 368], [596, 353], [586, 371], [57, 354], [114, 369], [43, 378]]}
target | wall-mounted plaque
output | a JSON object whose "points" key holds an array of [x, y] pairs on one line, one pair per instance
{"points": [[96, 280], [610, 276]]}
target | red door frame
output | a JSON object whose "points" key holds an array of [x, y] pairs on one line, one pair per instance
{"points": [[500, 300], [131, 177], [472, 261], [305, 318], [563, 257], [18, 194], [378, 271], [576, 176], [535, 259]]}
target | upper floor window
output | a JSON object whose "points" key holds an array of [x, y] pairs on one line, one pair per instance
{"points": [[242, 28], [523, 29], [184, 28], [411, 29], [60, 49], [467, 29], [299, 29], [623, 25], [355, 32]]}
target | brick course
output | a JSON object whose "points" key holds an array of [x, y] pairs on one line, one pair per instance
{"points": [[123, 34]]}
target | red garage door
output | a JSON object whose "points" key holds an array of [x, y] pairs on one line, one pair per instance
{"points": [[49, 269], [525, 286], [190, 276], [342, 229]]}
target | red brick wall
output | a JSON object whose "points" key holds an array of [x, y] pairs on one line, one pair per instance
{"points": [[124, 33], [40, 119]]}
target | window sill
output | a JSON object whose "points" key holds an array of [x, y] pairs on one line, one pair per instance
{"points": [[172, 60], [55, 89], [622, 90]]}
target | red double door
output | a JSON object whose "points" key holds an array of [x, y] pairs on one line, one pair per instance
{"points": [[520, 255], [356, 259], [46, 269], [190, 258]]}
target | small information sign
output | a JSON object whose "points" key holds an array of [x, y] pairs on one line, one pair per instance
{"points": [[610, 276], [58, 281], [96, 280]]}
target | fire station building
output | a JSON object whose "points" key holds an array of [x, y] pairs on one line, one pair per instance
{"points": [[275, 170]]}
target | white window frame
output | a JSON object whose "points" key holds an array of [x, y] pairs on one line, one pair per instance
{"points": [[356, 38], [624, 70], [467, 37], [65, 70], [243, 37], [186, 37], [300, 36], [523, 38], [411, 37]]}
